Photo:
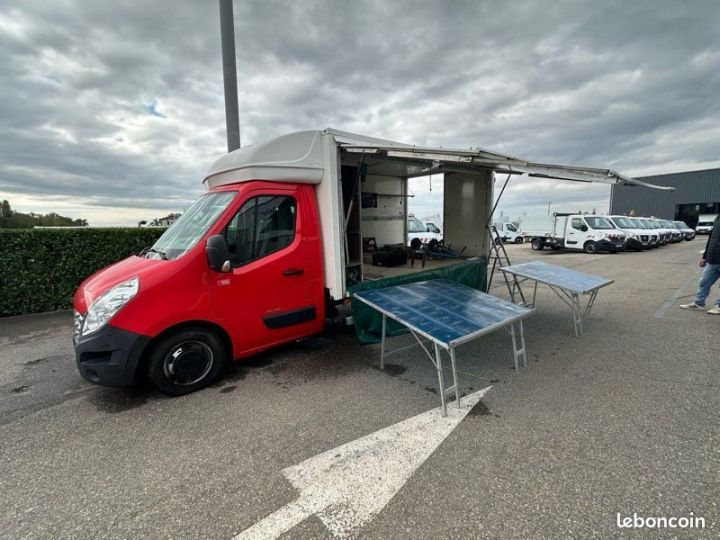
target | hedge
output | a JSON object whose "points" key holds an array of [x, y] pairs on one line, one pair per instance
{"points": [[40, 269]]}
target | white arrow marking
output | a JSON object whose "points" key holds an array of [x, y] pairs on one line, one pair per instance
{"points": [[348, 485]]}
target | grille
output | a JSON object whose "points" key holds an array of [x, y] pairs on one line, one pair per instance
{"points": [[644, 238], [77, 325]]}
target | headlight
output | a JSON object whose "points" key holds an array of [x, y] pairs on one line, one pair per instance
{"points": [[106, 306]]}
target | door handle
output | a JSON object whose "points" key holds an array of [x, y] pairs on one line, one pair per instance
{"points": [[294, 272]]}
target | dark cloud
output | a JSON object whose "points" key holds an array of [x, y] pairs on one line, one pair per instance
{"points": [[119, 105]]}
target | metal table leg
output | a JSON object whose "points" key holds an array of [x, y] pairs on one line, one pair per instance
{"points": [[456, 386], [441, 382], [382, 342], [517, 331], [591, 302], [577, 314]]}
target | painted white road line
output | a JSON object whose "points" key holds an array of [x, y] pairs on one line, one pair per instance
{"points": [[660, 313], [349, 485]]}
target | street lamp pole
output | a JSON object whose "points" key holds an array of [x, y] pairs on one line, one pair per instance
{"points": [[227, 38]]}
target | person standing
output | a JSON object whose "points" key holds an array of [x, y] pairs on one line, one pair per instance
{"points": [[711, 262]]}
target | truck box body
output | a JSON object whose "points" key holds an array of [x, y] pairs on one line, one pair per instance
{"points": [[320, 158], [534, 226]]}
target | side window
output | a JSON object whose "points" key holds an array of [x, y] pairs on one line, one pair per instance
{"points": [[577, 224], [262, 226]]}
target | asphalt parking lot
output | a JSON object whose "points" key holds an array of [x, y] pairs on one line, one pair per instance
{"points": [[623, 419]]}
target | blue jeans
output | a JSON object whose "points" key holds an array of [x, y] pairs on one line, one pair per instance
{"points": [[710, 275]]}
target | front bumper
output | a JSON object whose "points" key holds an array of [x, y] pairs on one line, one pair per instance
{"points": [[634, 244], [109, 356], [610, 245]]}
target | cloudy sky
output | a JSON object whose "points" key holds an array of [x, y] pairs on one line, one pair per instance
{"points": [[112, 111]]}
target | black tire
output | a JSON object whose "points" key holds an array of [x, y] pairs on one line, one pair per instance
{"points": [[519, 240], [498, 241], [187, 360], [415, 244], [537, 244], [590, 247], [433, 245]]}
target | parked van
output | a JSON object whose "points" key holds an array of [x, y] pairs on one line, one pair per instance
{"points": [[705, 223], [637, 237], [274, 244], [676, 235], [645, 225], [581, 232], [662, 233], [508, 232], [420, 234], [686, 231]]}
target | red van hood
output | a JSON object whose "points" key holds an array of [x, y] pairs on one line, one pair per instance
{"points": [[105, 279]]}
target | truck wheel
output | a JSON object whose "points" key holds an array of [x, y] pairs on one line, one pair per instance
{"points": [[415, 244], [187, 360], [498, 241], [433, 245], [537, 244], [590, 247], [519, 240]]}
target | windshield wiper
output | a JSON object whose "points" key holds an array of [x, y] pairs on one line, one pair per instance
{"points": [[162, 254]]}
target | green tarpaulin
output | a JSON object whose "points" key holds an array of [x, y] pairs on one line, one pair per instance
{"points": [[368, 322]]}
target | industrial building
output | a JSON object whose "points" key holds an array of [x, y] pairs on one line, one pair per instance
{"points": [[696, 193]]}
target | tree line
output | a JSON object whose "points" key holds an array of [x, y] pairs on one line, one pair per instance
{"points": [[9, 219]]}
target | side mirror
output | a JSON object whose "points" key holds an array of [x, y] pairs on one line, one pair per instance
{"points": [[584, 228], [217, 253]]}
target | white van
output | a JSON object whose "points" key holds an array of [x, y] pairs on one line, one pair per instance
{"points": [[638, 238], [419, 234], [508, 232], [705, 223]]}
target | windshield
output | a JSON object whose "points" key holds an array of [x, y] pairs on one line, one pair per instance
{"points": [[415, 225], [432, 227], [705, 223], [681, 224], [624, 223], [510, 227], [598, 222], [192, 225], [639, 224]]}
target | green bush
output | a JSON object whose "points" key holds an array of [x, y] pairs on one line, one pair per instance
{"points": [[41, 268]]}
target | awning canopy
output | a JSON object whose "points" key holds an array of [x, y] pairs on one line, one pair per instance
{"points": [[438, 160]]}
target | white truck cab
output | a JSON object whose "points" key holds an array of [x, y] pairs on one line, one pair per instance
{"points": [[582, 232]]}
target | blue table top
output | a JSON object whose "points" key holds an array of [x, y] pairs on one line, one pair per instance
{"points": [[558, 276], [444, 311]]}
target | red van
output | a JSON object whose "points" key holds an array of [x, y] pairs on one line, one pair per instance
{"points": [[277, 237]]}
